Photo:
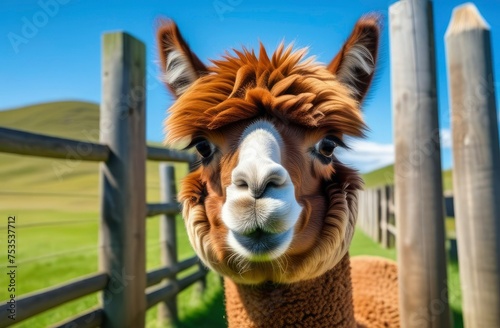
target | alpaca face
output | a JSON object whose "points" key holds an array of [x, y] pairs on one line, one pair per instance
{"points": [[260, 210], [269, 200]]}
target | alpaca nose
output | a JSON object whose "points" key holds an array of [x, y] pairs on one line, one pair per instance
{"points": [[258, 176]]}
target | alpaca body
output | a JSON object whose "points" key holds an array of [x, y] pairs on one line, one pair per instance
{"points": [[361, 292], [325, 301], [375, 292]]}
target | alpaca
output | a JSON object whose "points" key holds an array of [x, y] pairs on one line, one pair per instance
{"points": [[269, 206]]}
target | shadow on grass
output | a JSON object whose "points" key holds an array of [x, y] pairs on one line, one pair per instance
{"points": [[213, 315], [458, 321]]}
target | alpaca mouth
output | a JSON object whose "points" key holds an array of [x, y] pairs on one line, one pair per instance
{"points": [[259, 245], [261, 229]]}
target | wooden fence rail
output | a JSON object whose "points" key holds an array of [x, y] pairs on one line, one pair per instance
{"points": [[90, 319], [26, 143], [122, 151], [35, 303], [377, 215], [156, 276], [35, 144], [162, 208]]}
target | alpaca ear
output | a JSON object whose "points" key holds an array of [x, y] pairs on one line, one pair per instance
{"points": [[355, 64], [180, 66]]}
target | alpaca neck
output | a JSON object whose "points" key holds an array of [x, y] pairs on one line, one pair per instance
{"points": [[325, 301]]}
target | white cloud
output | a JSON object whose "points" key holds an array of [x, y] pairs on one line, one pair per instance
{"points": [[367, 156], [445, 135]]}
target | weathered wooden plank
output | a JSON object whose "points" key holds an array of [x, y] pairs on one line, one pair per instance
{"points": [[191, 279], [376, 214], [91, 319], [33, 144], [156, 276], [169, 155], [419, 192], [392, 229], [40, 301], [167, 310], [369, 212], [476, 164], [391, 216], [384, 216], [373, 214], [162, 293], [162, 208], [123, 202]]}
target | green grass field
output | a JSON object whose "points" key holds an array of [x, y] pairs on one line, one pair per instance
{"points": [[385, 176], [56, 206]]}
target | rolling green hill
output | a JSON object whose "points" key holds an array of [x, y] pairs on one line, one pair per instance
{"points": [[69, 119], [385, 176], [31, 182]]}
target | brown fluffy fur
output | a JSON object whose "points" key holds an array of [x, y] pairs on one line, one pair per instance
{"points": [[286, 87], [362, 32], [305, 101], [375, 292], [322, 302]]}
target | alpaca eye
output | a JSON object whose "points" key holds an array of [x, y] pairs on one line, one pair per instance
{"points": [[205, 148], [326, 147]]}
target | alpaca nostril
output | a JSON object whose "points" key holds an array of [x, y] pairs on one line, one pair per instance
{"points": [[274, 178], [258, 177], [241, 183]]}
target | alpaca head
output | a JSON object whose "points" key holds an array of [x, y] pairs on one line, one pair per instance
{"points": [[269, 200]]}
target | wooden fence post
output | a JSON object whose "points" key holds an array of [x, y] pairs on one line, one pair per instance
{"points": [[167, 310], [377, 213], [419, 191], [392, 216], [384, 216], [369, 213], [476, 164], [123, 196], [373, 213]]}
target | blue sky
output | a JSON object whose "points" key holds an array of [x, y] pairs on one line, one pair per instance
{"points": [[60, 58]]}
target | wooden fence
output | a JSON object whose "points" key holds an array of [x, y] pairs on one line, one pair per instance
{"points": [[122, 151], [418, 189], [377, 214]]}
